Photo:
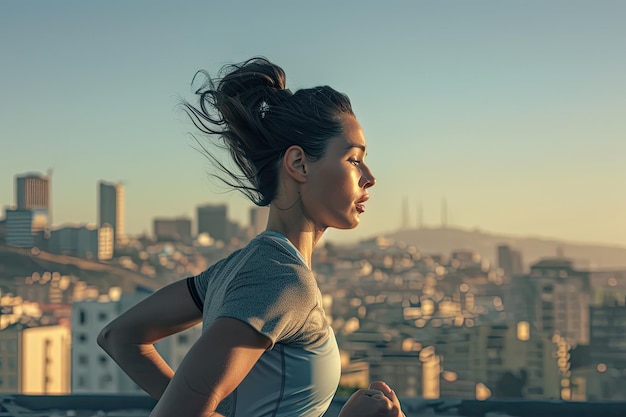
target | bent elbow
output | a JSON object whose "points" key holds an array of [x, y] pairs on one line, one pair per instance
{"points": [[104, 339]]}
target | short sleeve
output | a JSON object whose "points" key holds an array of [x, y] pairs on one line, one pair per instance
{"points": [[277, 300], [197, 295], [199, 284]]}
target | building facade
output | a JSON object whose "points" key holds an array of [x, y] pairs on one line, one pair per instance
{"points": [[23, 226], [93, 371], [32, 192], [213, 219], [111, 208], [37, 360], [178, 229], [562, 299]]}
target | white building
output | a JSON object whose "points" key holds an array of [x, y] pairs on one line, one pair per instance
{"points": [[46, 351], [93, 371], [35, 360]]}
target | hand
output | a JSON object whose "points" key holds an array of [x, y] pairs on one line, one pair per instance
{"points": [[390, 394], [377, 401]]}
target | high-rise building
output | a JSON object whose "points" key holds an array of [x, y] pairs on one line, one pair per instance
{"points": [[3, 231], [562, 299], [607, 351], [178, 229], [32, 192], [111, 208], [213, 219]]}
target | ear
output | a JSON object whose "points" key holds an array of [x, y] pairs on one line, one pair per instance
{"points": [[295, 163]]}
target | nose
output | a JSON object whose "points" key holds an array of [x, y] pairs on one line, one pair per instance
{"points": [[367, 178]]}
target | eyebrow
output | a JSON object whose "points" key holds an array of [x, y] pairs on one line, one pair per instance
{"points": [[361, 147]]}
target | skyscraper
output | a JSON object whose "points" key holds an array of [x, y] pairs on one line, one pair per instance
{"points": [[111, 208], [32, 192], [213, 219]]}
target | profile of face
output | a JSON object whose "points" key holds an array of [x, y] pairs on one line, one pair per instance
{"points": [[337, 186]]}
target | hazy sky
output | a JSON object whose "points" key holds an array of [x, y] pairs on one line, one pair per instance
{"points": [[515, 112]]}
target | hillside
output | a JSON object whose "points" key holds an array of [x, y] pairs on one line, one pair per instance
{"points": [[444, 241], [18, 263]]}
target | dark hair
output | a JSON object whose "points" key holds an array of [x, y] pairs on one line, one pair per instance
{"points": [[257, 119]]}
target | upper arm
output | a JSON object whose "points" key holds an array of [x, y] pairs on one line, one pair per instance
{"points": [[169, 310], [213, 368]]}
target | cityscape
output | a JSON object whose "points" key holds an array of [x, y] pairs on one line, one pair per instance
{"points": [[433, 325], [488, 274]]}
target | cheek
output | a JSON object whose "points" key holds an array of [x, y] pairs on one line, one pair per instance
{"points": [[333, 188]]}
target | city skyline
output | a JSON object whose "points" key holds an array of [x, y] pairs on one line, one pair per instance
{"points": [[406, 222], [509, 112]]}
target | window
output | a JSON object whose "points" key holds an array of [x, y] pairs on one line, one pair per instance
{"points": [[82, 338], [183, 339], [102, 316], [102, 359], [83, 359], [81, 381], [82, 317], [104, 381]]}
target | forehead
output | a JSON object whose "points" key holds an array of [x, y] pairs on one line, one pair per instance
{"points": [[351, 137]]}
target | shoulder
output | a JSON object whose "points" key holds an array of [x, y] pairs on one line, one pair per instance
{"points": [[269, 258]]}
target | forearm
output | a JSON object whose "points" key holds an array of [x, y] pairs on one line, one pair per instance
{"points": [[143, 364]]}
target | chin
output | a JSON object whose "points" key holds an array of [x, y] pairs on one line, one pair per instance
{"points": [[345, 222], [351, 224]]}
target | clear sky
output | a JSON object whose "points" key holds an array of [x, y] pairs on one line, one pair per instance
{"points": [[514, 112]]}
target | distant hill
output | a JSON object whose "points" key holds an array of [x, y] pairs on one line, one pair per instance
{"points": [[444, 241], [19, 262]]}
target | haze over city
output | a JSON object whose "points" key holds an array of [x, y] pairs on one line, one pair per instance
{"points": [[511, 112]]}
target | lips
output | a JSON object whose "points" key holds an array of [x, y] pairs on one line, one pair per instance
{"points": [[360, 203]]}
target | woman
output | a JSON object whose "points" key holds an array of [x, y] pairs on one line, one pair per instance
{"points": [[266, 348]]}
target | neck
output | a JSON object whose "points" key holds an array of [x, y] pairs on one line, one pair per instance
{"points": [[302, 234]]}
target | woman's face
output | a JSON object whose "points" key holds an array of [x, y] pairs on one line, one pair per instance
{"points": [[336, 191]]}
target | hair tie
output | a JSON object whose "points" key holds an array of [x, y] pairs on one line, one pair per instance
{"points": [[264, 107]]}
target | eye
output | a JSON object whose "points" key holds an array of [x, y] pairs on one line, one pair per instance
{"points": [[354, 161]]}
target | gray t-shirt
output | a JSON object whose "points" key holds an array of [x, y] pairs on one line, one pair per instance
{"points": [[268, 285]]}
